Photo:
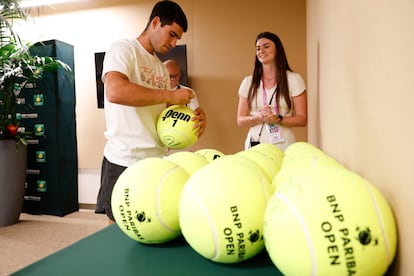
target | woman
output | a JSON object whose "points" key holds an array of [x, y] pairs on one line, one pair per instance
{"points": [[273, 99]]}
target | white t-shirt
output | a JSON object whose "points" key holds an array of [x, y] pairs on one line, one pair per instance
{"points": [[131, 131], [296, 86]]}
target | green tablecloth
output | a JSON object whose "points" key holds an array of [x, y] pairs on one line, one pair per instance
{"points": [[111, 252]]}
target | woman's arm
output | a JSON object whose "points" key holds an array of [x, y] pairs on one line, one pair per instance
{"points": [[300, 116], [244, 119]]}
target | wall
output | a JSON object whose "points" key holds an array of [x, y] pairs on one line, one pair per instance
{"points": [[221, 51], [224, 52], [360, 72]]}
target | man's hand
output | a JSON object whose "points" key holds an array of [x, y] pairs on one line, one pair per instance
{"points": [[201, 117], [181, 96]]}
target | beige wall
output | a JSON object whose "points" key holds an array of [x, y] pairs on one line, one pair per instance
{"points": [[223, 53], [360, 73]]}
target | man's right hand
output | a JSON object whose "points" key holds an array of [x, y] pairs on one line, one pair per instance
{"points": [[181, 96]]}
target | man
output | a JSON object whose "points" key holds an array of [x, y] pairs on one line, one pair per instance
{"points": [[175, 74], [137, 88]]}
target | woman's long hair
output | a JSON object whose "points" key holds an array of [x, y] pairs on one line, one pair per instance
{"points": [[282, 66]]}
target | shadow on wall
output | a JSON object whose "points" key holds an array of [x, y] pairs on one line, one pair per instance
{"points": [[219, 98]]}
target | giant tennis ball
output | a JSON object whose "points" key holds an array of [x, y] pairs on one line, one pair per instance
{"points": [[145, 200], [175, 127], [189, 161], [301, 149], [210, 154], [269, 164], [221, 209], [330, 222], [269, 149], [302, 164]]}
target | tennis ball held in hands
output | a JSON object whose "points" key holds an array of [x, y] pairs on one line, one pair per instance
{"points": [[175, 127]]}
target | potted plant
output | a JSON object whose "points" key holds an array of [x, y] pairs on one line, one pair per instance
{"points": [[18, 67]]}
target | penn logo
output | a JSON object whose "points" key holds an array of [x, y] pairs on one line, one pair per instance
{"points": [[176, 115]]}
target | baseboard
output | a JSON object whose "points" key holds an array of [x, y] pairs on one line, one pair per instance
{"points": [[87, 206]]}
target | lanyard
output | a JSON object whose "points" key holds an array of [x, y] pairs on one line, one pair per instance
{"points": [[270, 102], [271, 98]]}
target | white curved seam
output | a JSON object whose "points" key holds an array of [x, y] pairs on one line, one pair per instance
{"points": [[157, 199], [304, 228], [210, 222]]}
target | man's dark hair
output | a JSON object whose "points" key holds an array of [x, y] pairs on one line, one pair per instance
{"points": [[169, 12]]}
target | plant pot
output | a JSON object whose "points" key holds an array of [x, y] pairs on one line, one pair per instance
{"points": [[12, 181]]}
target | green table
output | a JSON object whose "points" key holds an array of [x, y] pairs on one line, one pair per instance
{"points": [[111, 252]]}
